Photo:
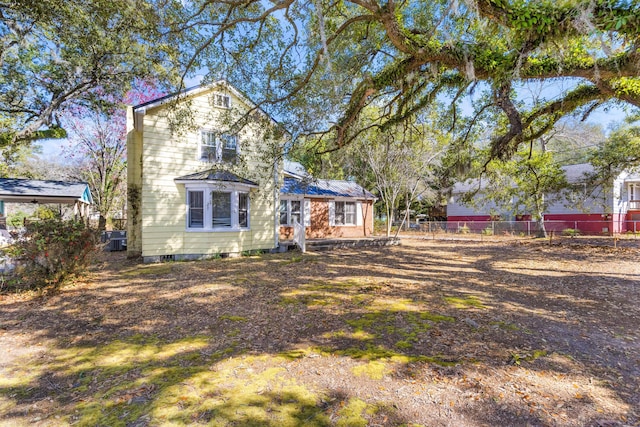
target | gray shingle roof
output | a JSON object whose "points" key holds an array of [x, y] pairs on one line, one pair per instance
{"points": [[216, 175], [294, 168], [13, 189], [573, 173]]}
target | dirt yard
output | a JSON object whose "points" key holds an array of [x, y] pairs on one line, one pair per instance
{"points": [[432, 333]]}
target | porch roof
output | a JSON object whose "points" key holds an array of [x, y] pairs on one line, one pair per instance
{"points": [[14, 190]]}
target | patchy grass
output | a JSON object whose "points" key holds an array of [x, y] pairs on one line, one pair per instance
{"points": [[351, 415], [376, 369], [148, 269], [466, 302], [517, 358]]}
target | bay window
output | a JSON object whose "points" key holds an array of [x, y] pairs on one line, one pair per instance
{"points": [[220, 209], [195, 201], [243, 210], [210, 208]]}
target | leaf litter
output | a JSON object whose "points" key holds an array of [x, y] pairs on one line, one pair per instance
{"points": [[427, 333]]}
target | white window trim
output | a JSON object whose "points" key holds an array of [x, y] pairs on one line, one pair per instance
{"points": [[208, 188], [219, 142], [634, 191], [304, 211], [332, 213], [221, 96]]}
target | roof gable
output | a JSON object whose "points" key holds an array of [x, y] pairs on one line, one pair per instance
{"points": [[218, 86], [191, 93]]}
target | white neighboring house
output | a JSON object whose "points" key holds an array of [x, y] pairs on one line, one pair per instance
{"points": [[606, 210], [32, 191]]}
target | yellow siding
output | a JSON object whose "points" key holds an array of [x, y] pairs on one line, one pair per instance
{"points": [[163, 214]]}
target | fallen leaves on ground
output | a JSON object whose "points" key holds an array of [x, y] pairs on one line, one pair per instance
{"points": [[426, 333]]}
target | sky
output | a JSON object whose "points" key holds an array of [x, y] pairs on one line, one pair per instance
{"points": [[606, 117]]}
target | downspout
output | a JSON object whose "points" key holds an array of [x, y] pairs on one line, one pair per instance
{"points": [[276, 216]]}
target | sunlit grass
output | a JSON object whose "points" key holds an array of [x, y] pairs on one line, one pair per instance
{"points": [[362, 330], [352, 413], [148, 269], [375, 369], [172, 383], [466, 302], [238, 393]]}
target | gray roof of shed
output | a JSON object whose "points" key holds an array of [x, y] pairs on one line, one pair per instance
{"points": [[21, 190]]}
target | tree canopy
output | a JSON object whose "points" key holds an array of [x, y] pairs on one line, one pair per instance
{"points": [[316, 65], [55, 53], [336, 57]]}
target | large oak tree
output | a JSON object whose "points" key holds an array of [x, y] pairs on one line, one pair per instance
{"points": [[56, 53], [330, 59], [317, 64]]}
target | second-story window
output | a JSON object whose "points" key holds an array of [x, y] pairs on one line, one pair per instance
{"points": [[220, 100], [218, 147], [229, 146]]}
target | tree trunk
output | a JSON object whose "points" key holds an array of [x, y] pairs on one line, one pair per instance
{"points": [[542, 232], [102, 223], [389, 220]]}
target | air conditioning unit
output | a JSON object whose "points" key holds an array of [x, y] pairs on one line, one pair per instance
{"points": [[117, 245]]}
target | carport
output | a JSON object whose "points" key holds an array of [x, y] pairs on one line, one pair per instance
{"points": [[13, 190]]}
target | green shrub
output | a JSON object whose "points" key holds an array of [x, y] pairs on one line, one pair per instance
{"points": [[44, 212], [379, 225], [571, 232], [51, 251], [464, 229], [17, 219]]}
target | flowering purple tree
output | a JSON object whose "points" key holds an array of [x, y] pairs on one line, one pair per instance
{"points": [[98, 144]]}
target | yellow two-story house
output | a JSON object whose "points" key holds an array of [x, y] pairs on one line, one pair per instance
{"points": [[202, 176]]}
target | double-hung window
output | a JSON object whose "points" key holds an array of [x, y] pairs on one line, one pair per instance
{"points": [[217, 209], [345, 213], [220, 209], [222, 101], [229, 147], [243, 210], [290, 212], [195, 202], [284, 212], [218, 147], [209, 147]]}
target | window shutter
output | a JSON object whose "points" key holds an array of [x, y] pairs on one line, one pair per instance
{"points": [[358, 213], [332, 213], [306, 215]]}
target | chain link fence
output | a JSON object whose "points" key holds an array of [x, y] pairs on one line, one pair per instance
{"points": [[529, 228]]}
